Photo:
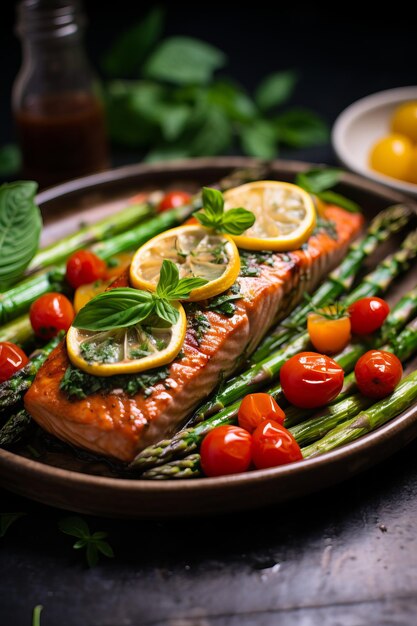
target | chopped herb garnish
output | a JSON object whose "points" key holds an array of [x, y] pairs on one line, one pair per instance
{"points": [[224, 303], [197, 321], [104, 352], [326, 226], [78, 385], [251, 261]]}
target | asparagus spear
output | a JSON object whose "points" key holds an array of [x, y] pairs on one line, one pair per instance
{"points": [[86, 236], [187, 440], [13, 430], [18, 331], [376, 415], [17, 300], [12, 390], [385, 224], [182, 468]]}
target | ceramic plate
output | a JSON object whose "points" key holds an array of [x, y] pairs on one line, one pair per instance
{"points": [[364, 122], [77, 481]]}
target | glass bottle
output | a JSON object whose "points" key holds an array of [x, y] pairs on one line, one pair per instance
{"points": [[56, 101]]}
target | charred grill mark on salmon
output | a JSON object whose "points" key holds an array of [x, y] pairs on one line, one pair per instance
{"points": [[118, 425]]}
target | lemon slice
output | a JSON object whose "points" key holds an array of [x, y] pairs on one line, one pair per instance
{"points": [[285, 215], [196, 252], [126, 350]]}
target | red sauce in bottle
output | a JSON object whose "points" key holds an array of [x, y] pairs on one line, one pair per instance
{"points": [[62, 136]]}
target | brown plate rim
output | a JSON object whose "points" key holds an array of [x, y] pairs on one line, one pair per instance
{"points": [[397, 431]]}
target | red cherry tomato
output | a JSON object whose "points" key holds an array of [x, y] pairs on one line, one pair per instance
{"points": [[226, 450], [256, 407], [51, 313], [273, 445], [367, 315], [310, 380], [173, 199], [377, 373], [12, 359], [84, 267]]}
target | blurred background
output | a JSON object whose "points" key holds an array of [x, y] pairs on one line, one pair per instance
{"points": [[271, 84]]}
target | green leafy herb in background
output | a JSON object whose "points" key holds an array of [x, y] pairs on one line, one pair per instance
{"points": [[93, 543], [319, 181], [165, 99], [10, 160], [19, 215]]}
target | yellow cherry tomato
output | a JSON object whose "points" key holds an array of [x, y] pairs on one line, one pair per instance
{"points": [[391, 156], [328, 336], [404, 120]]}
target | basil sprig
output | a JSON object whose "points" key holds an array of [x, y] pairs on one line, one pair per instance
{"points": [[123, 307], [213, 215], [319, 182], [20, 227]]}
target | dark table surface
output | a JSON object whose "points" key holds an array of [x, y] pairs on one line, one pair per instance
{"points": [[346, 556]]}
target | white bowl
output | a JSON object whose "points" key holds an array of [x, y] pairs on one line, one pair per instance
{"points": [[364, 122]]}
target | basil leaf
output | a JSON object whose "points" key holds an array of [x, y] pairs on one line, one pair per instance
{"points": [[184, 61], [236, 221], [185, 287], [75, 526], [259, 139], [275, 89], [118, 308], [130, 49], [20, 227], [213, 202], [10, 159], [168, 278], [336, 198], [301, 128], [233, 101], [105, 548], [165, 311], [318, 179], [207, 221]]}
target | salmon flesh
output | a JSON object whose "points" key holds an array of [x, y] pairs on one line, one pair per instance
{"points": [[117, 425]]}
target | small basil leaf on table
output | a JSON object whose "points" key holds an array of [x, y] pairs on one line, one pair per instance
{"points": [[275, 89]]}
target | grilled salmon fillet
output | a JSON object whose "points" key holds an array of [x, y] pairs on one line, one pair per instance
{"points": [[118, 425]]}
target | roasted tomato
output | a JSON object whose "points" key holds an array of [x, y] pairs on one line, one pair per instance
{"points": [[273, 445], [367, 315], [226, 450], [310, 380], [51, 313], [256, 407], [173, 199], [12, 359], [84, 267], [377, 373], [328, 333]]}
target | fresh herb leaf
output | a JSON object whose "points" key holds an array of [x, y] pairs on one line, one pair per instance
{"points": [[168, 279], [119, 308], [275, 89], [259, 139], [130, 49], [301, 128], [7, 519], [184, 61], [36, 615], [165, 311], [232, 100], [92, 542], [20, 227], [236, 221], [318, 179], [10, 160], [336, 198], [213, 215]]}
